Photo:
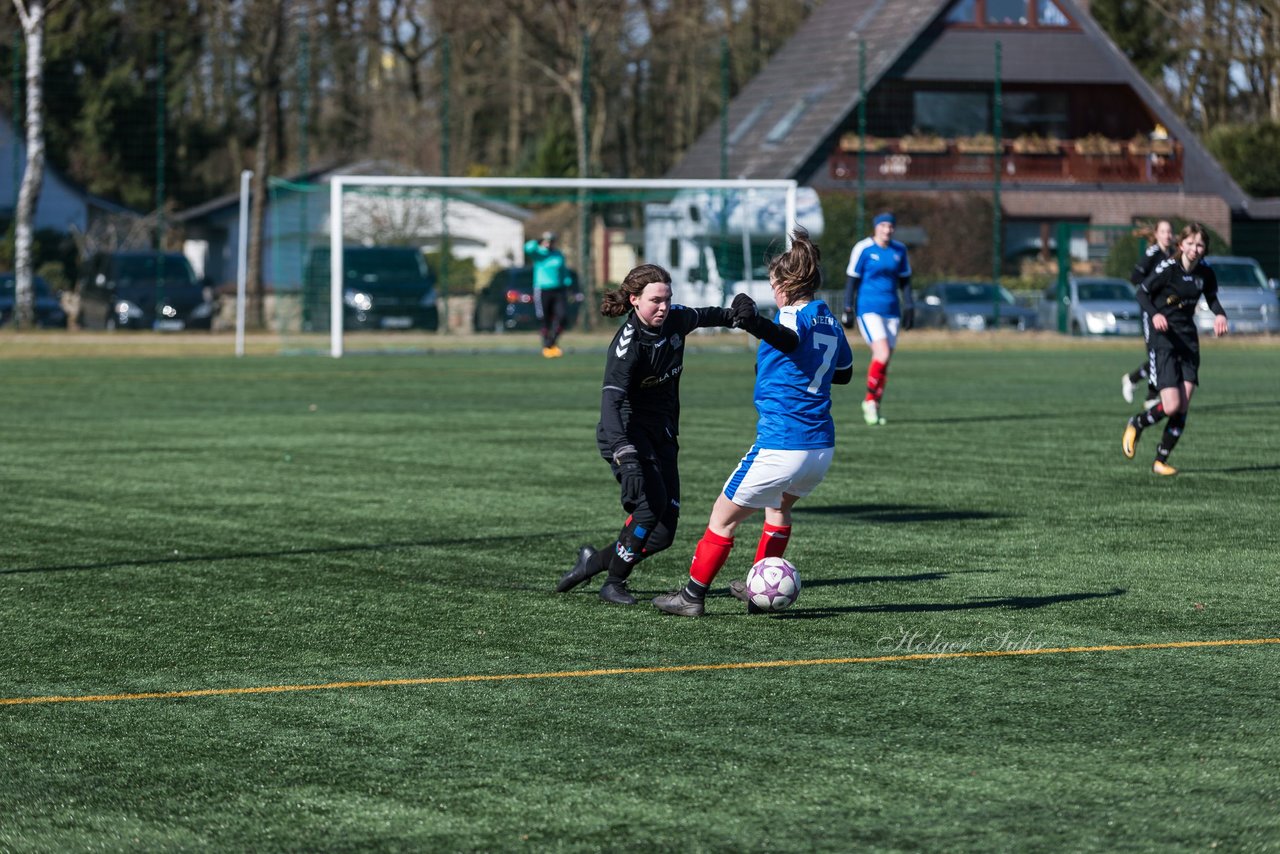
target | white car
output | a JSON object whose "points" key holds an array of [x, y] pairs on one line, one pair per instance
{"points": [[1094, 306], [1248, 298]]}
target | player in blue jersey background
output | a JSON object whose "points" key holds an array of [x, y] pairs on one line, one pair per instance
{"points": [[798, 359], [878, 270]]}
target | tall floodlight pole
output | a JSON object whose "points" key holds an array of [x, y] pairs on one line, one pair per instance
{"points": [[445, 130], [862, 139], [160, 120], [998, 133], [584, 224], [724, 108]]}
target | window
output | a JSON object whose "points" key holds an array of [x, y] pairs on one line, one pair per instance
{"points": [[952, 114], [747, 123], [1042, 113], [785, 124], [964, 12], [1049, 15], [1008, 13]]}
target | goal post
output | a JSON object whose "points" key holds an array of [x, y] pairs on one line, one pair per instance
{"points": [[564, 188]]}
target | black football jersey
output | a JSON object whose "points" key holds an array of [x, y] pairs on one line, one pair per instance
{"points": [[1148, 262], [1174, 292], [642, 375]]}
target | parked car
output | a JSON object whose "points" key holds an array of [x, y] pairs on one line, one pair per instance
{"points": [[1248, 298], [384, 287], [48, 310], [143, 290], [971, 305], [1094, 306], [506, 303]]}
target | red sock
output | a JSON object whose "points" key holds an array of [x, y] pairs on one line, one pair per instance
{"points": [[877, 376], [711, 554], [773, 541]]}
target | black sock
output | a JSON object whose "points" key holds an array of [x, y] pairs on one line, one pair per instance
{"points": [[1152, 416], [1172, 432], [695, 591], [1153, 393], [1137, 376], [619, 569]]}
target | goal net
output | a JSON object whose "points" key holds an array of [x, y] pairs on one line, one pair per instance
{"points": [[377, 263]]}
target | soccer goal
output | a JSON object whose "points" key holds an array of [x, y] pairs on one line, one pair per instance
{"points": [[383, 263]]}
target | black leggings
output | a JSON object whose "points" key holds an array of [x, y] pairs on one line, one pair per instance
{"points": [[553, 308], [652, 525]]}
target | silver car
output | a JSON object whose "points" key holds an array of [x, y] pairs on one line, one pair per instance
{"points": [[1248, 298], [972, 306], [1093, 306]]}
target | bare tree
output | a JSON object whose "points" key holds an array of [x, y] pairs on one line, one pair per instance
{"points": [[32, 14], [265, 31]]}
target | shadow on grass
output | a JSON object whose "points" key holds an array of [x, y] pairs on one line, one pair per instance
{"points": [[1230, 469], [1016, 603], [213, 558], [896, 513]]}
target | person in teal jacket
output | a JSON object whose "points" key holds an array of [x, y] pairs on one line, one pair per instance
{"points": [[551, 281]]}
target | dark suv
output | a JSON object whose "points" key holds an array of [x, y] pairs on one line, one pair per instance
{"points": [[384, 287], [506, 303], [143, 290]]}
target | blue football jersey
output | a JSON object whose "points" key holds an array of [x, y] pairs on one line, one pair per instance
{"points": [[880, 270], [793, 390]]}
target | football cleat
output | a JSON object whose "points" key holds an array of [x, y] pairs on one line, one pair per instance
{"points": [[676, 603], [1163, 469], [616, 593], [738, 588], [1130, 439], [1126, 388], [871, 413], [581, 570]]}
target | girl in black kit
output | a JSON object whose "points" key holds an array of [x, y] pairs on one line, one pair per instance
{"points": [[640, 419], [1160, 249], [1168, 298]]}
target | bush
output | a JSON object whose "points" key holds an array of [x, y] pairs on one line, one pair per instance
{"points": [[1126, 250], [1251, 153], [957, 229], [459, 278]]}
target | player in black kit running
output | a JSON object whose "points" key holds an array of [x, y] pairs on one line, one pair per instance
{"points": [[1168, 297], [1160, 249], [640, 421]]}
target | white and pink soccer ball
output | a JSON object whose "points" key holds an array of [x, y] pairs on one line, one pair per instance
{"points": [[773, 584]]}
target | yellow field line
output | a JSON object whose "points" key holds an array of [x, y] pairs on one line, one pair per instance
{"points": [[619, 671]]}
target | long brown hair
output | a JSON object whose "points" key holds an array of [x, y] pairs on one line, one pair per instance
{"points": [[617, 303], [799, 269], [1188, 230]]}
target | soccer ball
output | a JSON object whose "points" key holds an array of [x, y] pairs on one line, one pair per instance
{"points": [[773, 584]]}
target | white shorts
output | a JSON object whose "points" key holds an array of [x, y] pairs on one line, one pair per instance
{"points": [[877, 327], [764, 475]]}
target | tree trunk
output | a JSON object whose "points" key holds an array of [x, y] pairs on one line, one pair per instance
{"points": [[33, 19], [268, 81]]}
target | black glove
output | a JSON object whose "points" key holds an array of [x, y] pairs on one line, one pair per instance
{"points": [[846, 318], [908, 317], [744, 311], [631, 476]]}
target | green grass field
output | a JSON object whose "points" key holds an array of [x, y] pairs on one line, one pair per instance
{"points": [[318, 564]]}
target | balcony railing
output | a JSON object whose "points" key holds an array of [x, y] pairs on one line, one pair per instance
{"points": [[1084, 161]]}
